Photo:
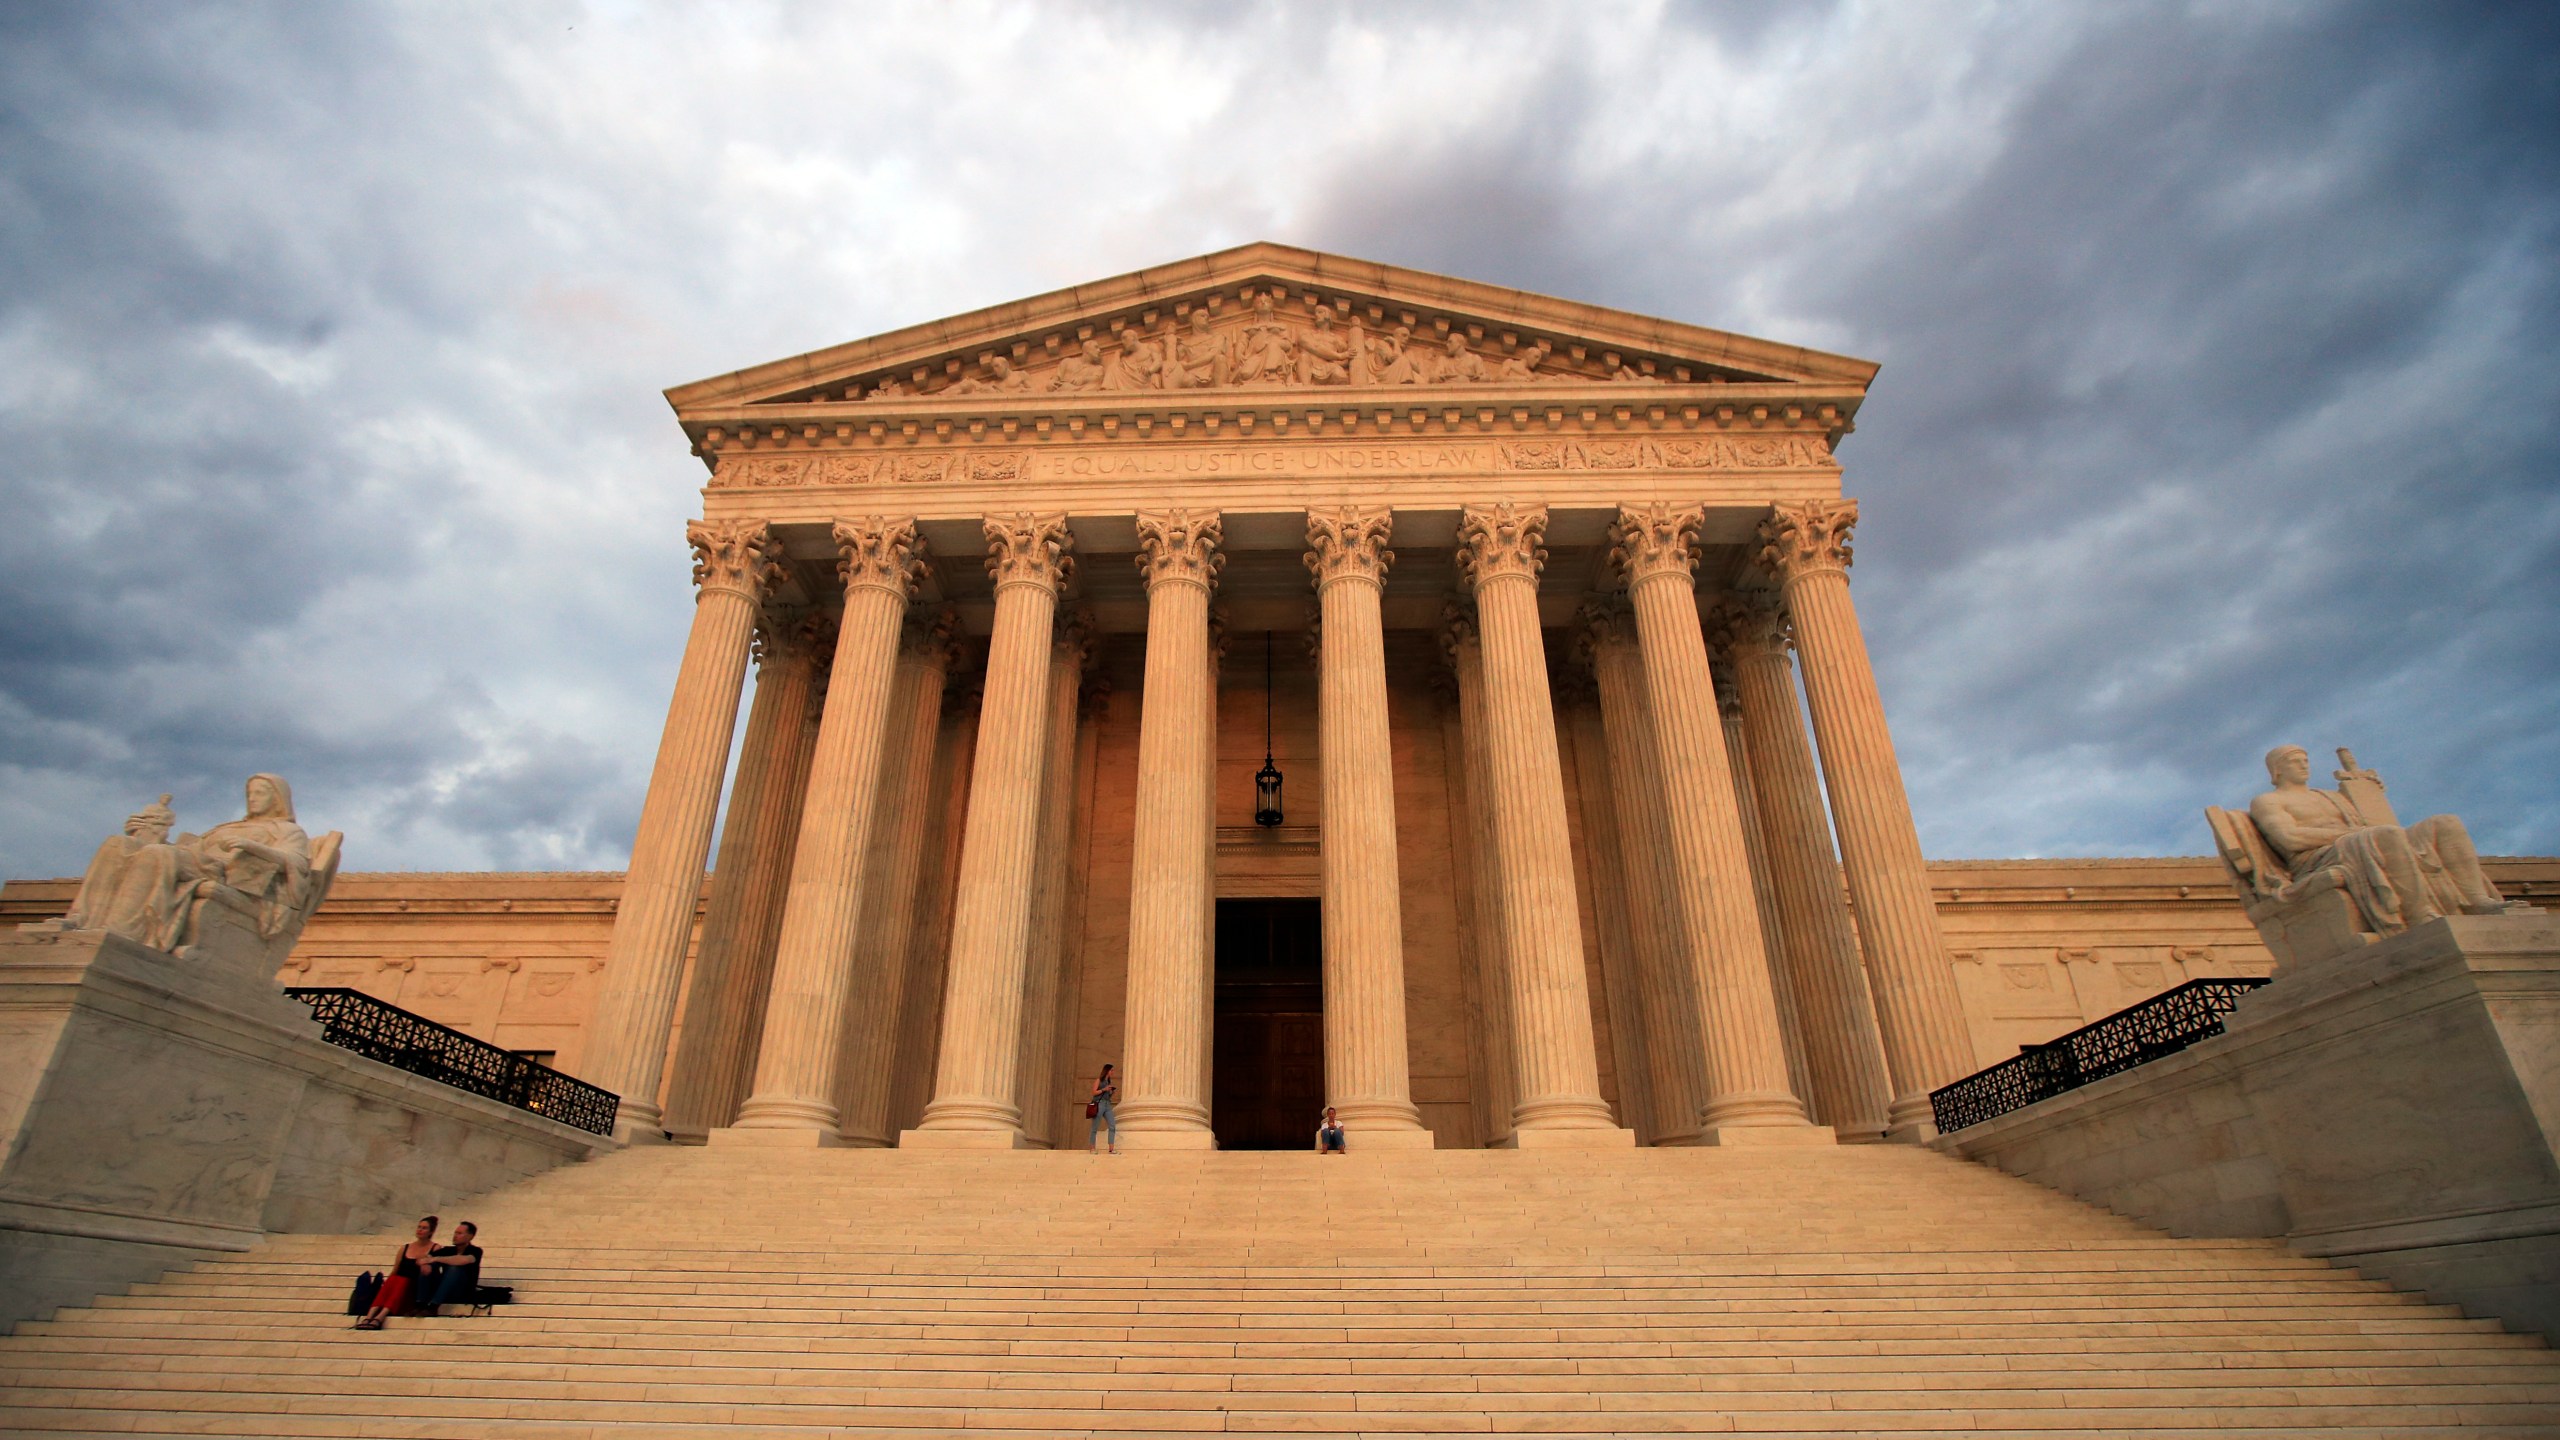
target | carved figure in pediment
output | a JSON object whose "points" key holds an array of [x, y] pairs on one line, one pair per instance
{"points": [[1265, 356], [1201, 358], [1084, 370], [1524, 366], [248, 884], [1390, 363], [1001, 379], [1458, 365], [1324, 353], [1627, 374], [889, 387], [1141, 365]]}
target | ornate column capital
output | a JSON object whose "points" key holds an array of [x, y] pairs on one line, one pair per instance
{"points": [[1500, 540], [1807, 537], [1606, 620], [881, 552], [1349, 542], [1457, 627], [791, 632], [932, 636], [1180, 547], [1075, 638], [1656, 539], [1748, 623], [1028, 549], [739, 556]]}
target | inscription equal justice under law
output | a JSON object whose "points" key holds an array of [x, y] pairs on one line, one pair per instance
{"points": [[995, 467]]}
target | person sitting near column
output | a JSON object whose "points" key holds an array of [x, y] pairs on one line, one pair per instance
{"points": [[2396, 875], [453, 1271], [1330, 1138]]}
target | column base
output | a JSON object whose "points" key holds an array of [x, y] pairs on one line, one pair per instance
{"points": [[1176, 1139], [731, 1137], [1767, 1136], [921, 1139], [1610, 1137]]}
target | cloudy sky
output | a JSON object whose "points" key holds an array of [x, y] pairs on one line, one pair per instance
{"points": [[2221, 346]]}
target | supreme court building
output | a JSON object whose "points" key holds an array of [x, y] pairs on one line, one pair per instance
{"points": [[1295, 680]]}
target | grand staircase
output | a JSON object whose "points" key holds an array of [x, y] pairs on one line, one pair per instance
{"points": [[1859, 1291]]}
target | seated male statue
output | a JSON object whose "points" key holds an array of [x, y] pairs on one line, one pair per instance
{"points": [[150, 889], [2396, 875]]}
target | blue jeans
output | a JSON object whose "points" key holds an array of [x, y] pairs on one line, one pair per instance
{"points": [[1102, 1119]]}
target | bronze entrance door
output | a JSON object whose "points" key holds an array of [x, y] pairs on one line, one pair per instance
{"points": [[1268, 1061]]}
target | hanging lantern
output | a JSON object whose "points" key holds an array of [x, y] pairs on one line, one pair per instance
{"points": [[1266, 781]]}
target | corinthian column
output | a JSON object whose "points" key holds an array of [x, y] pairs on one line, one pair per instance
{"points": [[1668, 995], [1460, 642], [1366, 1077], [1806, 545], [927, 648], [881, 559], [973, 1088], [733, 959], [1737, 753], [1170, 991], [1499, 557], [1747, 1096], [1818, 943], [1048, 944], [734, 564]]}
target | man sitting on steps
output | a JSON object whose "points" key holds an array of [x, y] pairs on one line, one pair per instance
{"points": [[455, 1279], [1329, 1137]]}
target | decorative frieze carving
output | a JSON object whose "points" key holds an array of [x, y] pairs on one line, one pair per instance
{"points": [[881, 551], [1028, 549], [1806, 536], [737, 555], [1656, 539], [1180, 547], [1499, 540], [1349, 540], [839, 470]]}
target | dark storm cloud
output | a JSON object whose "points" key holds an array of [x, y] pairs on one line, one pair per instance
{"points": [[2217, 410]]}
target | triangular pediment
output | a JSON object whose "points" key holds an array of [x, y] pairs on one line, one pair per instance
{"points": [[1258, 322]]}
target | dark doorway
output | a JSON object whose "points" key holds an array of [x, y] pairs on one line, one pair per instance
{"points": [[1269, 1056]]}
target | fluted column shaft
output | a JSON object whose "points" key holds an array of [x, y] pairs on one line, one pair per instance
{"points": [[1806, 545], [733, 958], [1670, 1007], [1167, 1041], [734, 563], [1500, 555], [881, 559], [1755, 845], [1465, 650], [877, 993], [973, 1092], [1367, 1078], [1842, 1049], [1048, 945], [1746, 1067]]}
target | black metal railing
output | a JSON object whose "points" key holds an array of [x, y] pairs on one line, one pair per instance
{"points": [[353, 1020], [2162, 1025]]}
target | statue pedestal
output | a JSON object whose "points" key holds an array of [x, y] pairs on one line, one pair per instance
{"points": [[2396, 1109], [156, 1111]]}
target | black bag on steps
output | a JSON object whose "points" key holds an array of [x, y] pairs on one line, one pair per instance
{"points": [[368, 1285]]}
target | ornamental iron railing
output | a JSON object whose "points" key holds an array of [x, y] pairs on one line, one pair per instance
{"points": [[2162, 1025], [353, 1020]]}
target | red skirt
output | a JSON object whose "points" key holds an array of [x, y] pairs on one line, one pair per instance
{"points": [[393, 1294]]}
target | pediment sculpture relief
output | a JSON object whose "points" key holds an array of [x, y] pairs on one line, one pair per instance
{"points": [[2323, 872], [238, 893], [1264, 348]]}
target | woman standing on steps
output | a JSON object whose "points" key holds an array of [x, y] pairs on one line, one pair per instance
{"points": [[1099, 1114], [406, 1270]]}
